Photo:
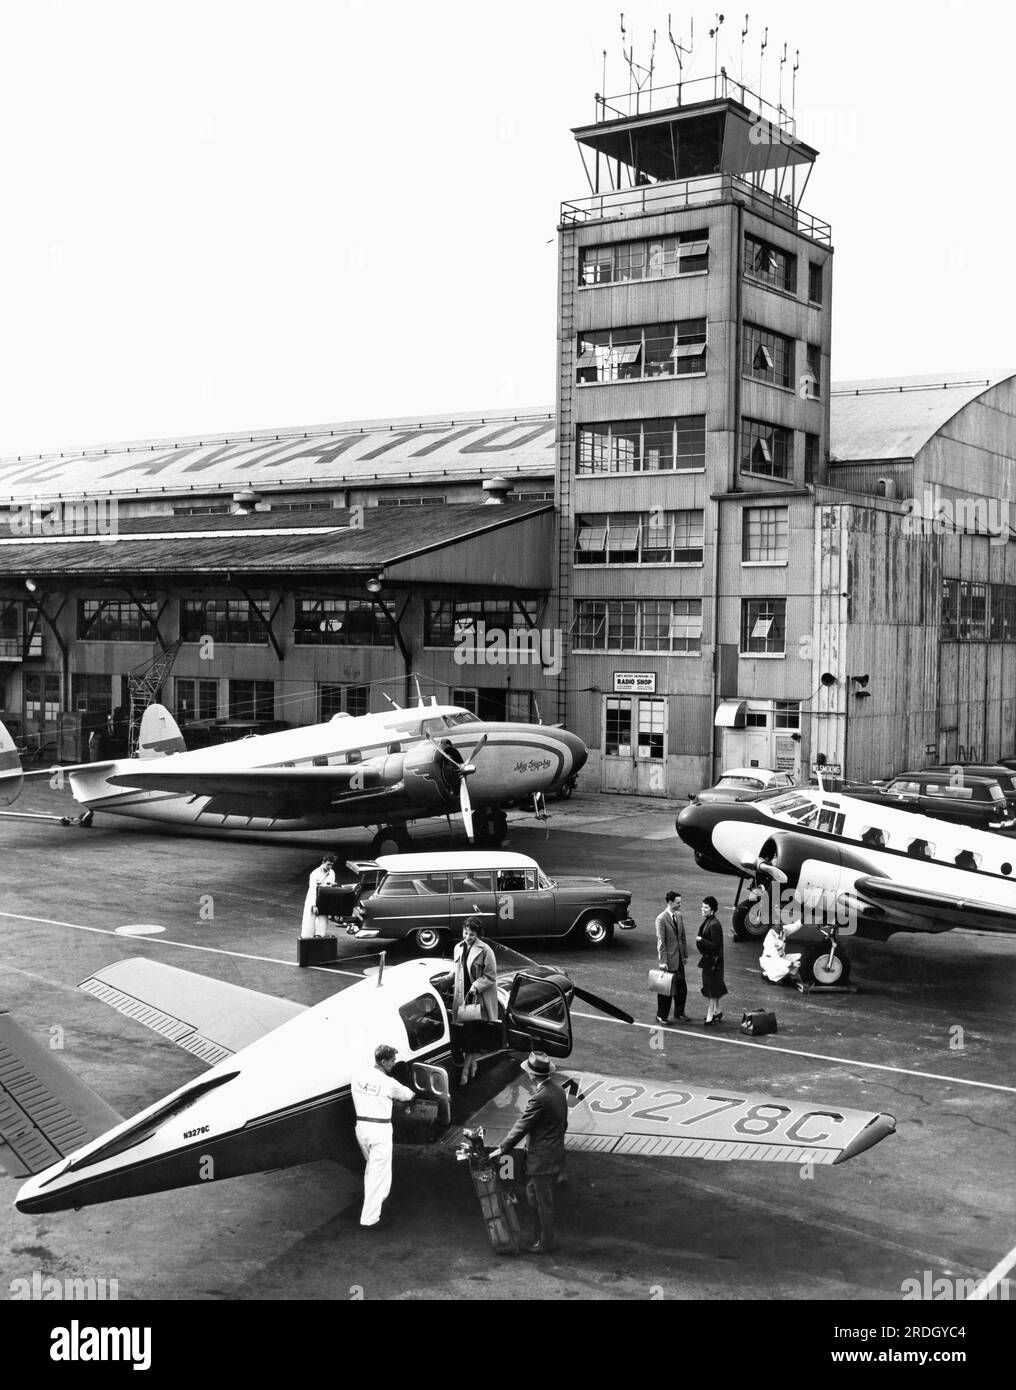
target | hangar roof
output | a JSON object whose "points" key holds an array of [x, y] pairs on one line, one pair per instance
{"points": [[893, 418], [267, 543], [360, 452]]}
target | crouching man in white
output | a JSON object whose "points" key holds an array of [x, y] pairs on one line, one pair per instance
{"points": [[777, 963], [373, 1094]]}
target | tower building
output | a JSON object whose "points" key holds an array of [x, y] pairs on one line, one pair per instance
{"points": [[693, 405]]}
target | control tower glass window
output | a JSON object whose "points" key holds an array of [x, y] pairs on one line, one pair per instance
{"points": [[766, 449], [632, 354]]}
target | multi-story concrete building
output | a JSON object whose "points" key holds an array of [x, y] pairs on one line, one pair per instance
{"points": [[695, 310]]}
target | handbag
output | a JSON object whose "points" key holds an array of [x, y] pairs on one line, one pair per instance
{"points": [[662, 981], [469, 1013], [758, 1022]]}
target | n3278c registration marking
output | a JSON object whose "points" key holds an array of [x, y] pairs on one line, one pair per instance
{"points": [[753, 1119]]}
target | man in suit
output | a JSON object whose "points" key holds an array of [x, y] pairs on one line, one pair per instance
{"points": [[672, 950], [543, 1122]]}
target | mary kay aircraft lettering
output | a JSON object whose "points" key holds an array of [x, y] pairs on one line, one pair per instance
{"points": [[383, 769], [840, 867], [277, 1090]]}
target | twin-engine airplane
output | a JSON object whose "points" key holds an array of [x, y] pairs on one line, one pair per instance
{"points": [[375, 769], [277, 1090], [839, 867]]}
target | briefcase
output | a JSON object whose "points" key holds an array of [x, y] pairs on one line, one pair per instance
{"points": [[317, 950], [758, 1021], [662, 981]]}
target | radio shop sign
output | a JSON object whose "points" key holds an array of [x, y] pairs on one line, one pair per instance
{"points": [[634, 682]]}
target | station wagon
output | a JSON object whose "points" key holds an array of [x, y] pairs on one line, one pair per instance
{"points": [[427, 897]]}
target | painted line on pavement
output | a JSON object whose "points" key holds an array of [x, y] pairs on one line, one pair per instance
{"points": [[992, 1280], [184, 945], [795, 1052]]}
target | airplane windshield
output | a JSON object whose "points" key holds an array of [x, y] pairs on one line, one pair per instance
{"points": [[796, 808], [783, 805], [463, 717]]}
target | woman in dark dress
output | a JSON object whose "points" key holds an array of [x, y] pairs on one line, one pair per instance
{"points": [[710, 946]]}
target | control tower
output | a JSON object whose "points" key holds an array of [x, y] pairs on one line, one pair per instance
{"points": [[693, 408]]}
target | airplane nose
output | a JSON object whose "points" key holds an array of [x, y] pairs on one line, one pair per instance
{"points": [[694, 825], [578, 750]]}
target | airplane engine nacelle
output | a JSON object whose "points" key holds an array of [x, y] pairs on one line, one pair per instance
{"points": [[794, 886], [431, 776]]}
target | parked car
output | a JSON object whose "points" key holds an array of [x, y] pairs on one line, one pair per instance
{"points": [[426, 897], [1004, 776], [976, 801], [745, 784]]}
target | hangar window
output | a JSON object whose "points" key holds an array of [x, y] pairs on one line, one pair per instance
{"points": [[662, 258], [767, 356], [114, 620], [629, 354], [92, 694], [196, 700], [669, 445], [763, 626], [252, 701], [230, 620], [766, 449], [815, 282], [448, 622], [341, 622], [353, 700]]}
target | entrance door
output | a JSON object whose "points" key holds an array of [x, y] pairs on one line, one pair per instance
{"points": [[41, 708], [635, 744]]}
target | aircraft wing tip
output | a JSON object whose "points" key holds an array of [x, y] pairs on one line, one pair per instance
{"points": [[879, 1127]]}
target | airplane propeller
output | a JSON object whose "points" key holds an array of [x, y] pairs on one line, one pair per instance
{"points": [[464, 768], [509, 958]]}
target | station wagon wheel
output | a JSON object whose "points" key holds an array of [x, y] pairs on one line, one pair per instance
{"points": [[597, 931], [428, 939], [815, 966]]}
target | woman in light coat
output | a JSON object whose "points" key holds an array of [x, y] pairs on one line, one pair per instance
{"points": [[321, 877], [475, 983]]}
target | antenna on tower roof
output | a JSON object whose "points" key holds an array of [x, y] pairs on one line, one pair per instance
{"points": [[761, 57], [678, 50], [793, 84], [744, 35], [714, 34], [779, 97]]}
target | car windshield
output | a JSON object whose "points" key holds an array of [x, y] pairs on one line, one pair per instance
{"points": [[546, 882], [740, 782]]}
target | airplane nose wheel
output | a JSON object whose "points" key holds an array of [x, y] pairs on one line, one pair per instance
{"points": [[391, 839], [818, 968]]}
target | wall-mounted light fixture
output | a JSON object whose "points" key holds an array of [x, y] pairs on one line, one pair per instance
{"points": [[375, 584], [31, 585]]}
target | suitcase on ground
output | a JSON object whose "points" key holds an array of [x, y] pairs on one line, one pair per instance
{"points": [[317, 950], [497, 1198], [757, 1022]]}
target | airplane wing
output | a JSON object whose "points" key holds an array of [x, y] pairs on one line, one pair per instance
{"points": [[209, 1018], [267, 790], [46, 1112], [965, 912], [657, 1119]]}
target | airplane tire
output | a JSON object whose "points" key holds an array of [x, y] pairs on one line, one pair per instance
{"points": [[755, 922], [428, 940], [391, 840], [816, 970], [596, 932], [737, 922]]}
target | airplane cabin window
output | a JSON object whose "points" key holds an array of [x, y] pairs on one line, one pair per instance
{"points": [[871, 835], [424, 1021], [1006, 868], [966, 859], [920, 849]]}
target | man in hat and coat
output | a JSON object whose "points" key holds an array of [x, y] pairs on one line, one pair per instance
{"points": [[542, 1124]]}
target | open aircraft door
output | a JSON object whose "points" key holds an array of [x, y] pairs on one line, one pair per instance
{"points": [[537, 1017]]}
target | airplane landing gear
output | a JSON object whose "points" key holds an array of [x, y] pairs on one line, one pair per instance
{"points": [[826, 965], [749, 922], [490, 829], [391, 839]]}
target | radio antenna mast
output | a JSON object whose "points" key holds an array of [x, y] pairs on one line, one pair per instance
{"points": [[678, 50], [793, 84], [761, 58], [779, 98], [744, 35], [714, 34]]}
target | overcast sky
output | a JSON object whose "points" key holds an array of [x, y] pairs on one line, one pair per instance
{"points": [[226, 215]]}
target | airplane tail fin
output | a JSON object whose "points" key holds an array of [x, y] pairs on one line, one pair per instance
{"points": [[160, 734], [46, 1112], [12, 775]]}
